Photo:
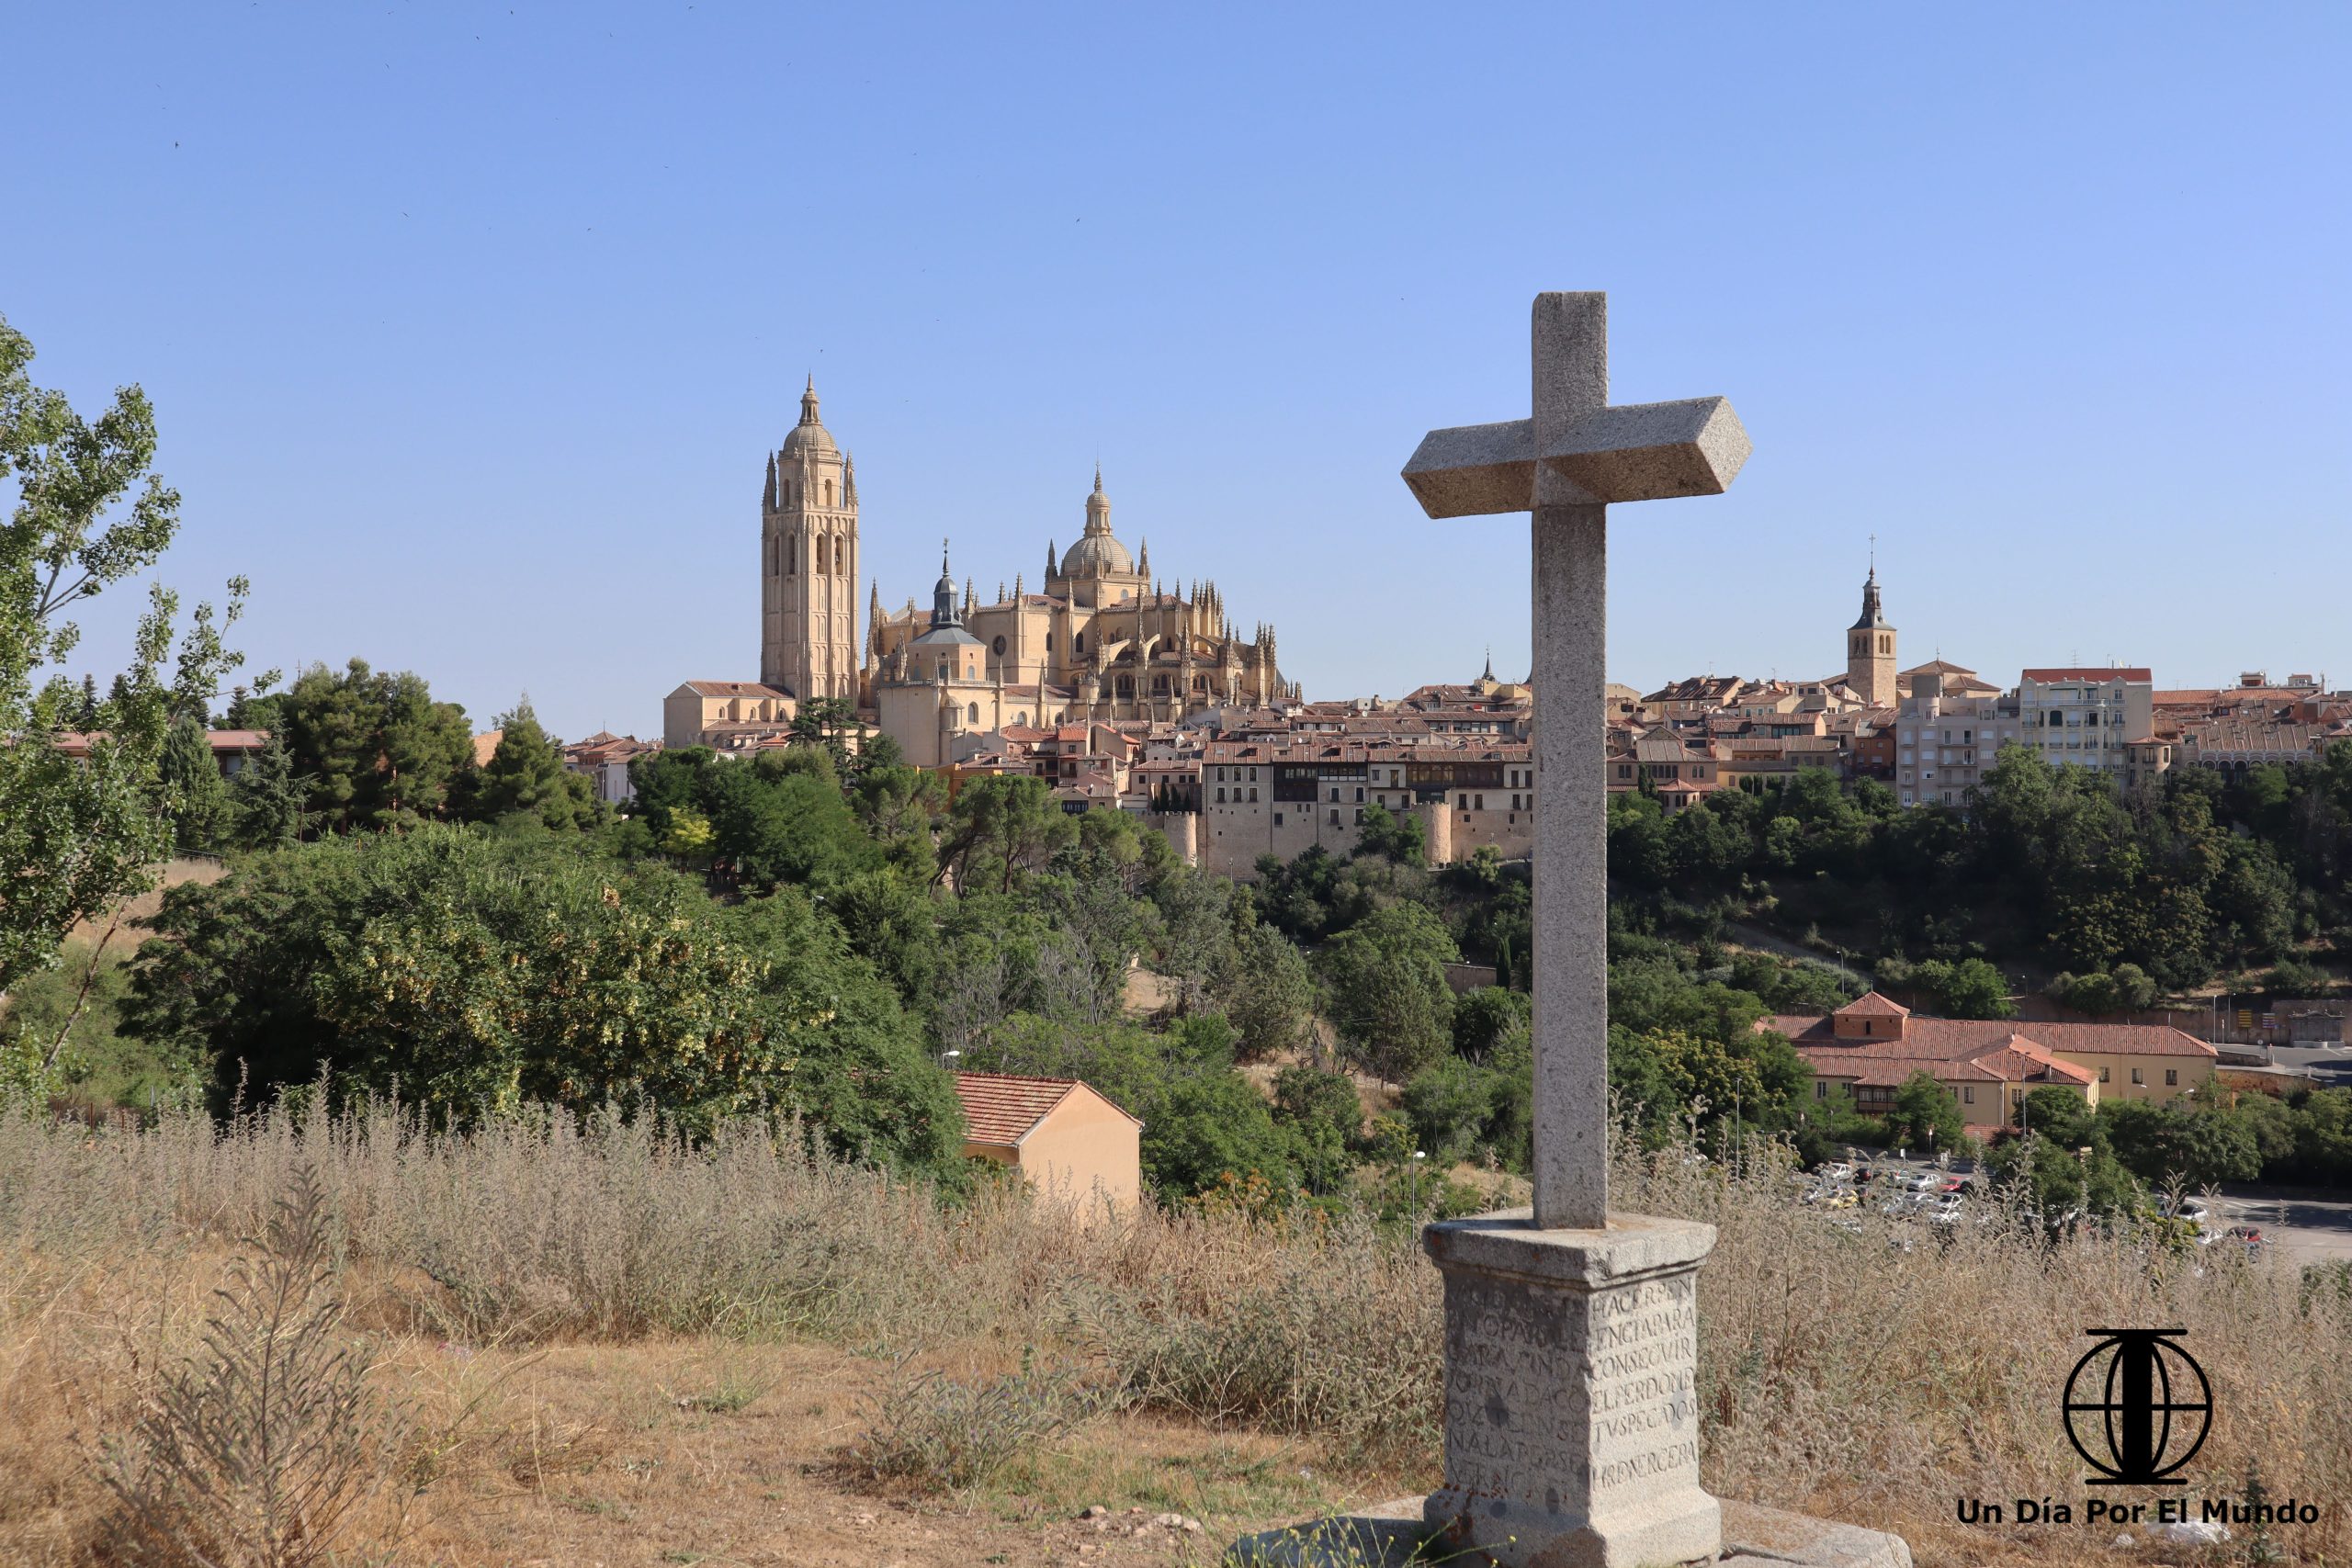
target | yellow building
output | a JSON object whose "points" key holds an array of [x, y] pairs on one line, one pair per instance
{"points": [[1873, 1045], [1068, 1140]]}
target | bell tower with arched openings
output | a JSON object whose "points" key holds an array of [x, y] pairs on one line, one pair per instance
{"points": [[809, 563], [1870, 648]]}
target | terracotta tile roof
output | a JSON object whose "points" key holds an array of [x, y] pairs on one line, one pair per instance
{"points": [[1944, 1039], [2092, 673], [732, 689], [1001, 1108], [1870, 1004]]}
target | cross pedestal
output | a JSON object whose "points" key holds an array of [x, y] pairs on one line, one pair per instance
{"points": [[1571, 1333]]}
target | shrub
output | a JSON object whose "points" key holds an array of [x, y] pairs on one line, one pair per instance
{"points": [[941, 1434], [263, 1450]]}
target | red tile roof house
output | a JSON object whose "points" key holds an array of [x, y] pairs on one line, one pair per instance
{"points": [[1873, 1045], [1068, 1140]]}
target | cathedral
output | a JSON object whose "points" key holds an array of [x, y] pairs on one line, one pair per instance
{"points": [[1100, 639]]}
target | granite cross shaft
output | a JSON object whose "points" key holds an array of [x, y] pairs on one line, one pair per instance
{"points": [[1566, 464]]}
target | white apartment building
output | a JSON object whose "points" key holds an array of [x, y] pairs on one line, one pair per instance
{"points": [[2086, 717], [1944, 744]]}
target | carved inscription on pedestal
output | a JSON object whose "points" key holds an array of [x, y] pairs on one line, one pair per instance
{"points": [[1558, 1398]]}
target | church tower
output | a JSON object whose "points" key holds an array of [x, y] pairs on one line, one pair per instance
{"points": [[1869, 651], [809, 641]]}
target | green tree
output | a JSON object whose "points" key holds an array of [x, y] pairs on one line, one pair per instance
{"points": [[267, 798], [526, 777], [78, 835], [1389, 999], [1267, 992], [1449, 1105], [1489, 1018], [475, 975], [378, 748], [1001, 829], [1925, 1116], [1401, 839], [195, 797]]}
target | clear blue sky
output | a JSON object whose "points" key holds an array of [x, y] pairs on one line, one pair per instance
{"points": [[468, 326]]}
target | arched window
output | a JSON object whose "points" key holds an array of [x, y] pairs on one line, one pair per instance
{"points": [[1078, 643], [998, 646], [973, 716], [822, 566], [829, 493], [791, 557], [1254, 797]]}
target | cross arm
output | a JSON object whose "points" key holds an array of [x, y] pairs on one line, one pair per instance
{"points": [[1653, 451], [1472, 469], [1633, 452]]}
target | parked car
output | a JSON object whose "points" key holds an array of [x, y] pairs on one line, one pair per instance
{"points": [[1920, 1182], [1835, 1170]]}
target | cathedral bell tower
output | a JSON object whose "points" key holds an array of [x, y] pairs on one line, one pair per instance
{"points": [[808, 564], [1869, 651]]}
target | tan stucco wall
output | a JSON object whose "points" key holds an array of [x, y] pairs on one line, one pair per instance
{"points": [[2195, 1072], [1085, 1149]]}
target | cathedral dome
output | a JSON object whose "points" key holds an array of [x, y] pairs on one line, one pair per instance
{"points": [[808, 437], [1098, 554]]}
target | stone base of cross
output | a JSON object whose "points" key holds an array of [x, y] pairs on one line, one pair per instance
{"points": [[1571, 1333]]}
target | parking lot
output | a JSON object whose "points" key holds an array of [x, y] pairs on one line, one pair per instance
{"points": [[2302, 1228]]}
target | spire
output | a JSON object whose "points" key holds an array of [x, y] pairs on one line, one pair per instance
{"points": [[808, 402], [1097, 507], [849, 480], [999, 591], [971, 600], [767, 498], [1489, 674], [1873, 618], [1143, 562], [1019, 592], [943, 595], [1052, 571]]}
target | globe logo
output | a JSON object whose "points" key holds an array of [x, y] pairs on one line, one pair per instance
{"points": [[2137, 1407]]}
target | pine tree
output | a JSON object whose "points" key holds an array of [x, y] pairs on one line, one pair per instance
{"points": [[525, 774], [195, 797], [268, 799]]}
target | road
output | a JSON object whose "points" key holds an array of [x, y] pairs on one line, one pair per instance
{"points": [[2331, 1066]]}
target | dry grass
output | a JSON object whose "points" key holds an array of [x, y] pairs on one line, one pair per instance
{"points": [[613, 1350]]}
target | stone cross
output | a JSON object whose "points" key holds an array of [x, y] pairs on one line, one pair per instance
{"points": [[1571, 1334], [1565, 465]]}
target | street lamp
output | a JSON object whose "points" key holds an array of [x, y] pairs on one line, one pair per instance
{"points": [[947, 1056]]}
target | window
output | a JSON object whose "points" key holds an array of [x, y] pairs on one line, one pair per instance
{"points": [[2172, 1077], [1335, 817], [1968, 1094], [1359, 815], [1078, 643], [998, 648], [2137, 1076], [973, 716], [1359, 791], [1220, 798], [1820, 1089], [2103, 1074], [1482, 803], [1278, 818], [829, 493], [1335, 795]]}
